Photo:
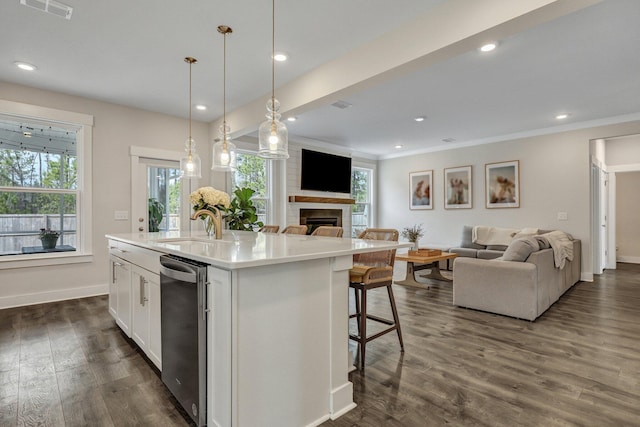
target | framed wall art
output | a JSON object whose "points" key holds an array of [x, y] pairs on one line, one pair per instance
{"points": [[457, 188], [421, 186], [502, 188]]}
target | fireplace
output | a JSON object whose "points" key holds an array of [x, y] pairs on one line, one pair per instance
{"points": [[314, 218]]}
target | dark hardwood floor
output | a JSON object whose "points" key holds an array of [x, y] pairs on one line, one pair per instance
{"points": [[67, 364]]}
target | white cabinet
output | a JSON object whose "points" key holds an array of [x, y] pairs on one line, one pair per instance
{"points": [[146, 313], [134, 296], [120, 293]]}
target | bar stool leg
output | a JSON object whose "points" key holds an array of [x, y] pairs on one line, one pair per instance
{"points": [[363, 327], [357, 303], [396, 318]]}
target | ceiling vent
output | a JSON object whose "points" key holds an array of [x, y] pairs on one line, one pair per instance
{"points": [[341, 104], [50, 6]]}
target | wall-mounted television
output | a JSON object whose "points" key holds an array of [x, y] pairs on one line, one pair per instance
{"points": [[325, 172]]}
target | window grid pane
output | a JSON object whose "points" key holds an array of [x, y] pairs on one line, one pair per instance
{"points": [[38, 185]]}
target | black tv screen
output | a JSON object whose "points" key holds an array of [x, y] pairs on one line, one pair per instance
{"points": [[325, 172]]}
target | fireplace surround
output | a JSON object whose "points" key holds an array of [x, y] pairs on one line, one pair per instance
{"points": [[314, 218]]}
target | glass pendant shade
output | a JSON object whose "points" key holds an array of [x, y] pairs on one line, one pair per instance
{"points": [[224, 152], [273, 136], [190, 164]]}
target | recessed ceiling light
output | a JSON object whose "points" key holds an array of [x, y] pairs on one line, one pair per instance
{"points": [[562, 116], [420, 119], [25, 66], [399, 146], [280, 56], [26, 134], [488, 47], [292, 119], [201, 107]]}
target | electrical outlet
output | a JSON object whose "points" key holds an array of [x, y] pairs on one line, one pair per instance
{"points": [[562, 216], [121, 215]]}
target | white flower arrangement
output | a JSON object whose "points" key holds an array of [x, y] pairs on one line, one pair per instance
{"points": [[207, 197]]}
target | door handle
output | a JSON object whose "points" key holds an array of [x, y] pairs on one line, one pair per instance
{"points": [[143, 298]]}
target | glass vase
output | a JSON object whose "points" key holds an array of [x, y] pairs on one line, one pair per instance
{"points": [[209, 227]]}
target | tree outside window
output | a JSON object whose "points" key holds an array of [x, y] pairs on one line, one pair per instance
{"points": [[38, 184], [361, 192], [253, 172]]}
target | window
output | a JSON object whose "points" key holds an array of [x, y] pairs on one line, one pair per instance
{"points": [[44, 166], [253, 172], [163, 185], [361, 188]]}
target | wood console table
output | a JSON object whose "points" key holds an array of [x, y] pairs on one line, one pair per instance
{"points": [[417, 263]]}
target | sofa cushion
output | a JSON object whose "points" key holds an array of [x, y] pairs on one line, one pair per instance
{"points": [[467, 238], [520, 249], [497, 247], [465, 252], [489, 254]]}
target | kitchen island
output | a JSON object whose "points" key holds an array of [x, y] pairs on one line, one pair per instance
{"points": [[278, 322]]}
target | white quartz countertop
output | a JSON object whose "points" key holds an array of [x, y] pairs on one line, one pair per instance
{"points": [[242, 249]]}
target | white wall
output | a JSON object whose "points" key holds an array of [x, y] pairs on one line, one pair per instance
{"points": [[116, 128], [623, 150], [554, 177]]}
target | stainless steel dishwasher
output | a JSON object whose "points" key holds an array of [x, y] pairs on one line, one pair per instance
{"points": [[183, 295]]}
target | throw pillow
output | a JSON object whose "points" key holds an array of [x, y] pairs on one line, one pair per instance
{"points": [[467, 238], [543, 242], [526, 232], [520, 249]]}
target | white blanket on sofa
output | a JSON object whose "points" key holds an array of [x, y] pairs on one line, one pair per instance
{"points": [[484, 235], [562, 245]]}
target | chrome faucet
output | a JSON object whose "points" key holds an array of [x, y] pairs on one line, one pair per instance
{"points": [[216, 217]]}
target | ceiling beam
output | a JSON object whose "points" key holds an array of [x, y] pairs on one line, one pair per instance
{"points": [[454, 27]]}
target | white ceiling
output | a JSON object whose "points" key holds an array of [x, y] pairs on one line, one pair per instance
{"points": [[131, 53]]}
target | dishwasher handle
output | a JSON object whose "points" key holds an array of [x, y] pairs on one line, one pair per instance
{"points": [[178, 270]]}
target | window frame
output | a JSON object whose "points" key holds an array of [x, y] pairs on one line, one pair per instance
{"points": [[83, 125], [370, 195], [267, 197]]}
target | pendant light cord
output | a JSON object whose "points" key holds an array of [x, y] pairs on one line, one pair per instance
{"points": [[273, 54], [190, 139], [224, 93]]}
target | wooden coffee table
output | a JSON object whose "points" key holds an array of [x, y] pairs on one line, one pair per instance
{"points": [[417, 263]]}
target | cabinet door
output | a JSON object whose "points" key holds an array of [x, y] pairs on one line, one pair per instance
{"points": [[140, 302], [113, 288], [122, 271], [155, 337]]}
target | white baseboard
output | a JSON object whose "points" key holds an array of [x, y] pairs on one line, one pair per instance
{"points": [[629, 259], [51, 296], [586, 277]]}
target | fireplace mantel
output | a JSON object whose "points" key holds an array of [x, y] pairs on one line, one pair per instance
{"points": [[314, 199]]}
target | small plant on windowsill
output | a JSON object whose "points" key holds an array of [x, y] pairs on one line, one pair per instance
{"points": [[48, 237], [413, 234]]}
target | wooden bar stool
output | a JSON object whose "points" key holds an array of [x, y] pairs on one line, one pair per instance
{"points": [[327, 230], [295, 229], [269, 228], [370, 271]]}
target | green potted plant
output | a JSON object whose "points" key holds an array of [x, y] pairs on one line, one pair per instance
{"points": [[156, 212], [413, 234], [49, 238], [241, 213]]}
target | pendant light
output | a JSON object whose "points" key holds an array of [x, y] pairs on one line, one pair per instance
{"points": [[190, 165], [272, 134], [224, 151]]}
